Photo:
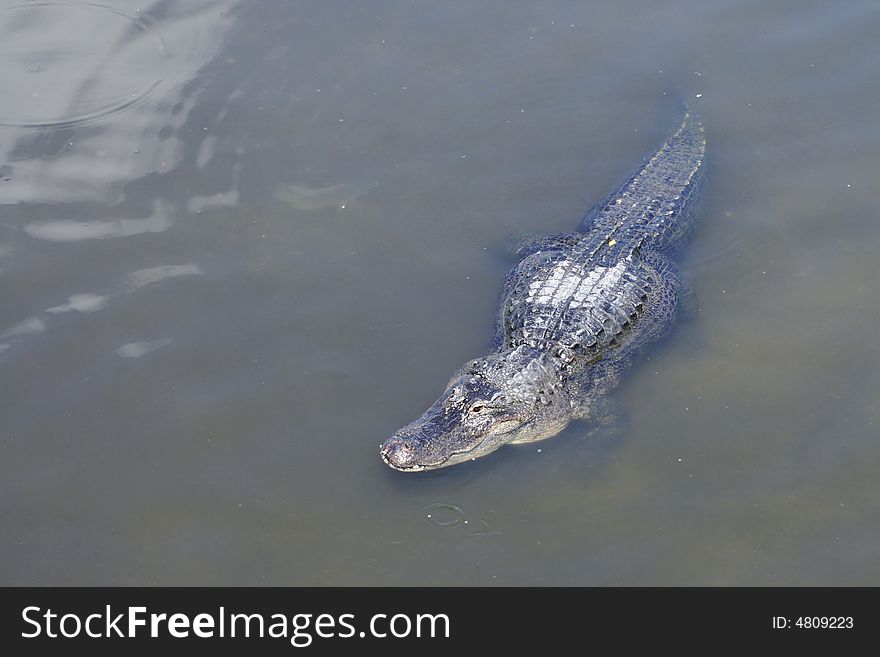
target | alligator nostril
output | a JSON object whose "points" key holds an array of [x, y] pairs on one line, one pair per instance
{"points": [[398, 453]]}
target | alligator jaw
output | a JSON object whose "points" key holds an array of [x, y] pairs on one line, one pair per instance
{"points": [[387, 457], [395, 456], [398, 457]]}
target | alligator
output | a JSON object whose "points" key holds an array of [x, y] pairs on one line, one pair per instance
{"points": [[576, 311]]}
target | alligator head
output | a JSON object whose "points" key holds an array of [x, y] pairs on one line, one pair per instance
{"points": [[513, 396]]}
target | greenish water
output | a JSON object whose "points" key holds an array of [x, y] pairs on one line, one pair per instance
{"points": [[241, 243]]}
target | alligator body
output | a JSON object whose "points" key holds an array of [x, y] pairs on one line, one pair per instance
{"points": [[576, 311]]}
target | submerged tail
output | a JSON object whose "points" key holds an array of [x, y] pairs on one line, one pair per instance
{"points": [[658, 197]]}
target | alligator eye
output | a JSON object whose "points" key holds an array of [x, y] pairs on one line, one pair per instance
{"points": [[478, 408]]}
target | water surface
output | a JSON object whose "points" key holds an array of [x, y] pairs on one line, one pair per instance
{"points": [[241, 243]]}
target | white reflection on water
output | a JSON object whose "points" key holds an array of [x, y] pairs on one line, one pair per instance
{"points": [[93, 114], [38, 43], [138, 349], [75, 231], [123, 91], [143, 277], [29, 326], [88, 302], [224, 200], [206, 151], [82, 303]]}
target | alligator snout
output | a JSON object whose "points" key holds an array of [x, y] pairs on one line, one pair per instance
{"points": [[398, 453]]}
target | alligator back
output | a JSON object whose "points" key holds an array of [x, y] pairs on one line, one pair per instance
{"points": [[581, 294], [579, 301]]}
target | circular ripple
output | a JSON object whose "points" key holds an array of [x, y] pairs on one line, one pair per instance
{"points": [[443, 516], [65, 63]]}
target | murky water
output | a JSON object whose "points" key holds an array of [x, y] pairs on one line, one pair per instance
{"points": [[241, 243]]}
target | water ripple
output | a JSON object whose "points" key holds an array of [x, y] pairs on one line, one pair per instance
{"points": [[442, 515], [72, 77]]}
